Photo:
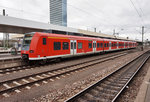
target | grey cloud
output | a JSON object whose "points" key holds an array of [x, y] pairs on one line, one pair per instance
{"points": [[86, 14]]}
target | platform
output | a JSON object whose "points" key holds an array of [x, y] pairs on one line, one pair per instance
{"points": [[144, 92], [6, 51], [8, 55], [147, 98], [10, 58]]}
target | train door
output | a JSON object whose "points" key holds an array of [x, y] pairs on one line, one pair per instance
{"points": [[124, 44], [117, 45], [109, 45], [73, 46], [94, 46], [43, 47]]}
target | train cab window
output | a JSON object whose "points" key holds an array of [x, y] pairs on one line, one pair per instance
{"points": [[57, 45], [90, 45], [65, 45], [44, 41], [98, 45], [79, 45]]}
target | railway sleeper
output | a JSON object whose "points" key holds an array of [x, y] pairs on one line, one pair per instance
{"points": [[123, 80], [82, 100], [112, 87], [120, 81], [109, 90], [88, 96], [100, 99], [111, 84], [116, 84], [105, 95], [106, 89]]}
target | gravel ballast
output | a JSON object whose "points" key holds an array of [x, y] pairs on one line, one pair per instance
{"points": [[70, 89]]}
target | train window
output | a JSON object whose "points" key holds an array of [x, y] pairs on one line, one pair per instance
{"points": [[98, 45], [57, 45], [65, 45], [74, 45], [71, 45], [101, 45], [79, 45], [107, 44], [90, 45], [94, 45], [44, 41]]}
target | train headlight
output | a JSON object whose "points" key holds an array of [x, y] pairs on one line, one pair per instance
{"points": [[31, 51]]}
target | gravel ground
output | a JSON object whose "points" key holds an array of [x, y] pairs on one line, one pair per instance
{"points": [[130, 93], [59, 95]]}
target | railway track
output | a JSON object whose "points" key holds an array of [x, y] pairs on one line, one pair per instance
{"points": [[26, 82], [110, 87], [10, 70]]}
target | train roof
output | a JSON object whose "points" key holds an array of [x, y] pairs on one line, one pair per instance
{"points": [[78, 37], [69, 36]]}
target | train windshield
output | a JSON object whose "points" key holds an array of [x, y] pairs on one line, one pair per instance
{"points": [[26, 41]]}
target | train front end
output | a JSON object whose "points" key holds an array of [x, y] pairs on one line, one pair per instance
{"points": [[25, 50]]}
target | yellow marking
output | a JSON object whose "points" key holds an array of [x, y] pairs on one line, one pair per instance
{"points": [[57, 38]]}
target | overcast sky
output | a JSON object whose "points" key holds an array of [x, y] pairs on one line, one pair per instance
{"points": [[105, 15]]}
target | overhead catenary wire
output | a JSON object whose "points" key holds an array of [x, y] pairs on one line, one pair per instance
{"points": [[108, 18], [97, 16], [89, 13], [140, 7], [101, 12], [140, 16]]}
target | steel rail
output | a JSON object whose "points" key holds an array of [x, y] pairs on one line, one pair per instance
{"points": [[86, 90], [23, 67], [50, 77]]}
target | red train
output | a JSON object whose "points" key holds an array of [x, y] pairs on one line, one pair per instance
{"points": [[44, 46]]}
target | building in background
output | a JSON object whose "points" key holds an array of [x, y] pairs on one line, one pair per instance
{"points": [[58, 12]]}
